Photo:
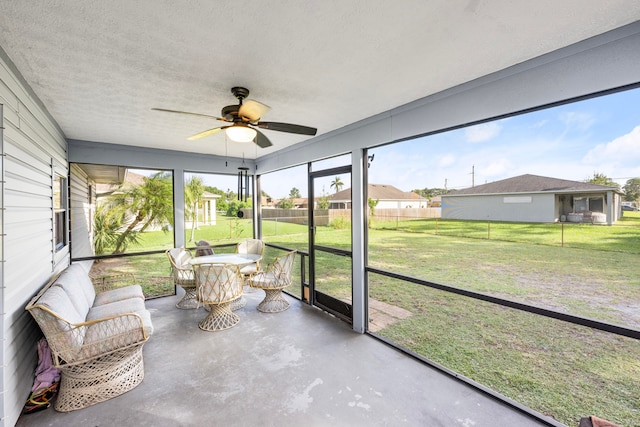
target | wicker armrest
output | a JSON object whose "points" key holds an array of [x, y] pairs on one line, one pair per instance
{"points": [[104, 336]]}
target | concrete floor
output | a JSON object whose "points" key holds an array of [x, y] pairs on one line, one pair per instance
{"points": [[301, 367]]}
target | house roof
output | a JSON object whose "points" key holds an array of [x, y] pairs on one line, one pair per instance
{"points": [[208, 195], [380, 192], [130, 178], [531, 184]]}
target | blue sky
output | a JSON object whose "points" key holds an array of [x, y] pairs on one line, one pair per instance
{"points": [[571, 141]]}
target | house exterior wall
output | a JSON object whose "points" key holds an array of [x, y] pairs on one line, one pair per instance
{"points": [[34, 152], [495, 207], [82, 201]]}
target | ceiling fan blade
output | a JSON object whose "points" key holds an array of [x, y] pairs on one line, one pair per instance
{"points": [[186, 112], [253, 110], [287, 127], [205, 133], [262, 140]]}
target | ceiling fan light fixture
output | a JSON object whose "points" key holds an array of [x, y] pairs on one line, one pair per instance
{"points": [[240, 133]]}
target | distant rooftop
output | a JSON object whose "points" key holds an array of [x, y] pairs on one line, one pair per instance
{"points": [[531, 184], [379, 192]]}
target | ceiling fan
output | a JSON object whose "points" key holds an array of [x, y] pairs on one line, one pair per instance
{"points": [[245, 118]]}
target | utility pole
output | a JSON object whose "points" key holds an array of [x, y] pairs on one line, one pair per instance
{"points": [[473, 176]]}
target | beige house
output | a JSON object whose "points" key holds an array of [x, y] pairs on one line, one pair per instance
{"points": [[388, 196]]}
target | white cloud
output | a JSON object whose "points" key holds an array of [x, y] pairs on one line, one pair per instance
{"points": [[497, 167], [446, 160], [483, 132], [577, 121], [623, 150]]}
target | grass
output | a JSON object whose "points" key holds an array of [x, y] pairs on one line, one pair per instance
{"points": [[559, 369]]}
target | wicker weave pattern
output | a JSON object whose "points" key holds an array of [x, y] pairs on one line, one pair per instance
{"points": [[100, 379], [277, 277], [217, 285], [250, 246], [183, 276], [76, 343], [100, 358]]}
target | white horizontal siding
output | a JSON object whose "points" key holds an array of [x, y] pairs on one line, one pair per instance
{"points": [[81, 211], [31, 144]]}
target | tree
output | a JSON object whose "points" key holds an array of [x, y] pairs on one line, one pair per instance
{"points": [[337, 184], [632, 190], [602, 179], [372, 207], [286, 203], [194, 191], [430, 193], [140, 206], [106, 229], [236, 205], [294, 193], [323, 202]]}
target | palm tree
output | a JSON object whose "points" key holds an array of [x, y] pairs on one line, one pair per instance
{"points": [[193, 199], [140, 206], [337, 184]]}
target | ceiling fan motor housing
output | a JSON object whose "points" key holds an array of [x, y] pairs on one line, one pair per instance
{"points": [[230, 112]]}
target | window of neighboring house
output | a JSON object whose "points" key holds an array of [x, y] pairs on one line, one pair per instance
{"points": [[591, 204], [596, 204], [60, 212], [580, 204]]}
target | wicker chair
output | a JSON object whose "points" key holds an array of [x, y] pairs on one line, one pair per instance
{"points": [[272, 281], [250, 246], [203, 248], [183, 276], [217, 285]]}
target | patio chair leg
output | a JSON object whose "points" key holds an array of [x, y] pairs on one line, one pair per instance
{"points": [[238, 303], [273, 301], [220, 317], [188, 301]]}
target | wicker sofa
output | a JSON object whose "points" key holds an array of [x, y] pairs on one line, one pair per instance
{"points": [[96, 340]]}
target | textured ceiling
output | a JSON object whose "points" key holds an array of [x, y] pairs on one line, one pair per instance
{"points": [[100, 66]]}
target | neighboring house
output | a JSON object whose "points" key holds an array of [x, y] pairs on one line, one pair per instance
{"points": [[533, 198], [209, 208], [114, 179], [388, 196]]}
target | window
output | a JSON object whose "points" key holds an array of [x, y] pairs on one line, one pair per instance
{"points": [[588, 204], [60, 212]]}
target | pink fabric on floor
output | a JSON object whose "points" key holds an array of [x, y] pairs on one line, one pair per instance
{"points": [[46, 374]]}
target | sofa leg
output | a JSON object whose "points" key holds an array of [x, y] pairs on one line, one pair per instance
{"points": [[99, 379]]}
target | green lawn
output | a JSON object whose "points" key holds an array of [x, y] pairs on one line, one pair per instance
{"points": [[556, 368]]}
